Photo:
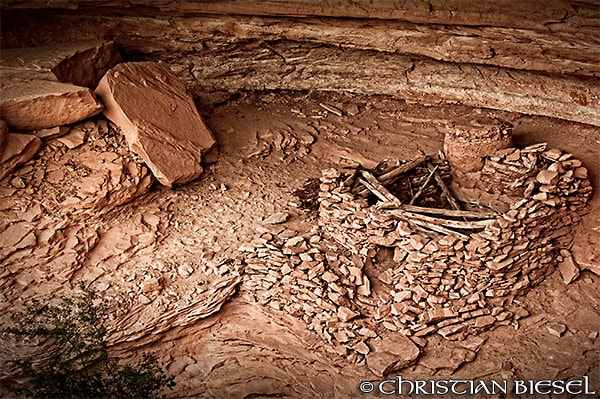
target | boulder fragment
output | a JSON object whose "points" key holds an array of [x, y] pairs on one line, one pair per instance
{"points": [[53, 132], [346, 314], [556, 329], [581, 173], [277, 218], [391, 355], [567, 268], [18, 149], [28, 105], [158, 118], [547, 177], [73, 139], [81, 63]]}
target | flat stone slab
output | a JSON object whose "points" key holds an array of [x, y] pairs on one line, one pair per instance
{"points": [[568, 268], [390, 355], [28, 105], [81, 63], [18, 149], [158, 118]]}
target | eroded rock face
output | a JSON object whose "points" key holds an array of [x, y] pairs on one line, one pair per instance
{"points": [[18, 149], [90, 168], [87, 169], [81, 63], [158, 118], [35, 104], [3, 133]]}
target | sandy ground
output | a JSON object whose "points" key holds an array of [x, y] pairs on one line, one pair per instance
{"points": [[165, 260]]}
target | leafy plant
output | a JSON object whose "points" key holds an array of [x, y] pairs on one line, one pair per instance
{"points": [[76, 363]]}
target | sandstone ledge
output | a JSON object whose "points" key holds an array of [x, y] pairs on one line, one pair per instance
{"points": [[29, 105]]}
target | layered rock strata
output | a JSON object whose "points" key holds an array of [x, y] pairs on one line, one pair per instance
{"points": [[527, 57]]}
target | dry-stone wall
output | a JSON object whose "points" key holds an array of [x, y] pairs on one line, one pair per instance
{"points": [[452, 282], [337, 279]]}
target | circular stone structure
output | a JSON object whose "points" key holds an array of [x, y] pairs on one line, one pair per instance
{"points": [[464, 277], [466, 146]]}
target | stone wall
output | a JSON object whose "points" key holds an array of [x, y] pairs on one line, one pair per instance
{"points": [[367, 270], [462, 280]]}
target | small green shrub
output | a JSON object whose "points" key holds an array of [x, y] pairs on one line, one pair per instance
{"points": [[76, 363]]}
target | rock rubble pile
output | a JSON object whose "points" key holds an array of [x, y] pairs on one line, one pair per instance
{"points": [[314, 279]]}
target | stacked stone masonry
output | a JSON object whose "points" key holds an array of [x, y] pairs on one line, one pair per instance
{"points": [[333, 277], [452, 283]]}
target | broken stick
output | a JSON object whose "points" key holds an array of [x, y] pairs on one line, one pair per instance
{"points": [[372, 189], [451, 200], [440, 229], [440, 211], [377, 187], [349, 182], [457, 224], [331, 109], [425, 183], [388, 177]]}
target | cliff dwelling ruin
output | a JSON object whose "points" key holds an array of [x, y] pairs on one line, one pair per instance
{"points": [[310, 199]]}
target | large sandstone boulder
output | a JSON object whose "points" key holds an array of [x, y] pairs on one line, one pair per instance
{"points": [[158, 118], [81, 63], [27, 105]]}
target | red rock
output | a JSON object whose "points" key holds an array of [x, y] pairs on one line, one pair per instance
{"points": [[53, 132], [553, 153], [547, 177], [392, 354], [28, 105], [361, 348], [345, 314], [484, 321], [3, 133], [18, 149], [568, 269], [158, 118], [581, 173], [73, 139], [435, 315], [80, 63], [556, 329], [277, 218]]}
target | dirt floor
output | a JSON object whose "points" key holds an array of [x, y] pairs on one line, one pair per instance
{"points": [[171, 264]]}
